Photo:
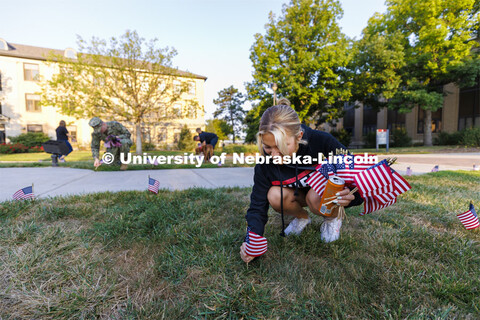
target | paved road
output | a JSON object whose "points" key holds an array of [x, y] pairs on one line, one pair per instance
{"points": [[49, 182]]}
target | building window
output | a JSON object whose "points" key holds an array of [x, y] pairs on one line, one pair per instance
{"points": [[31, 72], [177, 87], [1, 108], [72, 132], [0, 81], [3, 136], [162, 135], [34, 128], [33, 102], [436, 120], [395, 120], [469, 108], [177, 110], [70, 53], [369, 120], [349, 117], [192, 88]]}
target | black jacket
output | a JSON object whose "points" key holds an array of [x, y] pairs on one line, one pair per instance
{"points": [[268, 175]]}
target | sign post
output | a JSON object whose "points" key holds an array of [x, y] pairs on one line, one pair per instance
{"points": [[382, 138]]}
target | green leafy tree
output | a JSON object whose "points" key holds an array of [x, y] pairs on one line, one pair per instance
{"points": [[230, 102], [220, 127], [185, 141], [410, 52], [126, 79], [306, 54]]}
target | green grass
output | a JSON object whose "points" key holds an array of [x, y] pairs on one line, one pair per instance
{"points": [[417, 150], [83, 160], [175, 255]]}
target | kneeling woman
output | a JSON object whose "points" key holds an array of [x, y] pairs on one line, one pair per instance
{"points": [[284, 186]]}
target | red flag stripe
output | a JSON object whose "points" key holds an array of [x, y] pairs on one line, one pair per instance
{"points": [[256, 245], [468, 220]]}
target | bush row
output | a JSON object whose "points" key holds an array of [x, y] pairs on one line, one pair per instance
{"points": [[18, 148]]}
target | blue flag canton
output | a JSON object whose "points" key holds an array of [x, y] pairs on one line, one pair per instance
{"points": [[151, 181], [247, 237], [384, 161], [472, 209], [326, 168], [342, 166], [27, 190]]}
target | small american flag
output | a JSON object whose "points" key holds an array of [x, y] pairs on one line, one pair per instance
{"points": [[256, 245], [153, 185], [25, 193], [469, 219], [384, 195], [409, 171], [435, 169]]}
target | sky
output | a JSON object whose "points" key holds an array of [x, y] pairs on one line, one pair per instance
{"points": [[212, 37]]}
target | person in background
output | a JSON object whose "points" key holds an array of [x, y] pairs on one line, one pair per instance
{"points": [[116, 138], [206, 138], [62, 135]]}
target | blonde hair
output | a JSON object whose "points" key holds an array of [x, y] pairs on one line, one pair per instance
{"points": [[282, 122]]}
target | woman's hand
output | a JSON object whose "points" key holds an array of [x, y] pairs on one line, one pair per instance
{"points": [[97, 163], [344, 198], [243, 254]]}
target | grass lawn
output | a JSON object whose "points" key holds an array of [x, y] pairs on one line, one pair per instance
{"points": [[175, 255], [83, 160]]}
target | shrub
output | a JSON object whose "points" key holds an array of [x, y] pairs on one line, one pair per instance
{"points": [[13, 148], [370, 140], [240, 148], [35, 149], [186, 142], [449, 139], [147, 146], [471, 137], [400, 138], [343, 136], [30, 139]]}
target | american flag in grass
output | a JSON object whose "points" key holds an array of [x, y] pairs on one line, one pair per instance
{"points": [[318, 180], [380, 186], [256, 245], [469, 218], [24, 193], [153, 185]]}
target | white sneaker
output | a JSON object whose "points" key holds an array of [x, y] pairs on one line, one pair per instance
{"points": [[297, 225], [330, 229]]}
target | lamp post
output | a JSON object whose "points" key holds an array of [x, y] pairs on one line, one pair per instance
{"points": [[274, 88]]}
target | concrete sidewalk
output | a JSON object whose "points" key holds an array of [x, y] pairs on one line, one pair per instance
{"points": [[50, 182]]}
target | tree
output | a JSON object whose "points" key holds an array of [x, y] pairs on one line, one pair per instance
{"points": [[220, 127], [305, 53], [186, 142], [410, 52], [229, 103], [127, 79]]}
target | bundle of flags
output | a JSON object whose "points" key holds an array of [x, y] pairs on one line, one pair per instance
{"points": [[469, 219], [24, 193], [256, 244], [153, 185], [378, 185]]}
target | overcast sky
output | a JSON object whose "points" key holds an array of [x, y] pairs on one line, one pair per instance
{"points": [[212, 37]]}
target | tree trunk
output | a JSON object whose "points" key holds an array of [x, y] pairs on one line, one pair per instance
{"points": [[138, 139], [427, 128], [233, 128]]}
